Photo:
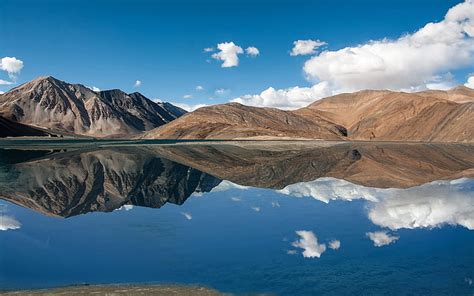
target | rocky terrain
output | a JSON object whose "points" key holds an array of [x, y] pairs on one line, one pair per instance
{"points": [[429, 116], [236, 121], [68, 183], [65, 184], [74, 109]]}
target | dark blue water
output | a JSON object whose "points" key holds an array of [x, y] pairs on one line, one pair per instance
{"points": [[247, 240]]}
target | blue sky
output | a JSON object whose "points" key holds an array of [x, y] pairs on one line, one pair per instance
{"points": [[111, 44]]}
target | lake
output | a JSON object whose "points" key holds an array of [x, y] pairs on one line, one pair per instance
{"points": [[283, 218]]}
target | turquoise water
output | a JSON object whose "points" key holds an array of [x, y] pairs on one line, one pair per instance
{"points": [[326, 236]]}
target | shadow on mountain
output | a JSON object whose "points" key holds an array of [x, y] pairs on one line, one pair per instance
{"points": [[68, 183]]}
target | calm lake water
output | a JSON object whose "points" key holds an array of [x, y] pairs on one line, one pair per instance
{"points": [[285, 219]]}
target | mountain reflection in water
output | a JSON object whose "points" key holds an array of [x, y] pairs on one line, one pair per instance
{"points": [[68, 183], [300, 218]]}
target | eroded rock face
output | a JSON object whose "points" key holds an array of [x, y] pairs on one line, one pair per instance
{"points": [[71, 183], [429, 116], [74, 109]]}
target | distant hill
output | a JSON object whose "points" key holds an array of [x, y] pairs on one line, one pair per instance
{"points": [[432, 116], [55, 105]]}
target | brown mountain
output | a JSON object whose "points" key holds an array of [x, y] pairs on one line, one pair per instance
{"points": [[442, 116], [276, 165], [432, 116], [234, 121], [55, 105]]}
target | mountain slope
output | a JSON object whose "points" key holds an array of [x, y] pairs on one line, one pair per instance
{"points": [[431, 116], [444, 116], [73, 108], [234, 121], [10, 128]]}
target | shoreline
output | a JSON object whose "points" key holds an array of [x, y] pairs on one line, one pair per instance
{"points": [[120, 289]]}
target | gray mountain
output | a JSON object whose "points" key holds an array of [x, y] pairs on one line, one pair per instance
{"points": [[58, 106]]}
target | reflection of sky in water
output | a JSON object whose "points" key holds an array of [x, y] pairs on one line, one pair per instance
{"points": [[242, 239]]}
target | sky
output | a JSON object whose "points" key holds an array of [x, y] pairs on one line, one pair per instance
{"points": [[283, 54]]}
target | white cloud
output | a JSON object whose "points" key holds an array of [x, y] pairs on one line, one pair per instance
{"points": [[256, 209], [381, 238], [252, 51], [8, 223], [427, 206], [11, 65], [221, 92], [187, 96], [334, 244], [5, 82], [125, 208], [188, 107], [208, 49], [199, 88], [305, 47], [96, 89], [409, 62], [470, 82], [327, 189], [138, 83], [1, 92], [236, 199], [228, 53], [413, 62], [227, 185], [187, 215], [309, 243], [290, 98]]}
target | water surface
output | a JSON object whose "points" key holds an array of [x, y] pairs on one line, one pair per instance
{"points": [[286, 219]]}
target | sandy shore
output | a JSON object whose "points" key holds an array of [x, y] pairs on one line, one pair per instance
{"points": [[110, 290]]}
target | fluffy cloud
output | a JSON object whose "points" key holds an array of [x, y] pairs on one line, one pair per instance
{"points": [[381, 238], [470, 82], [409, 62], [431, 205], [252, 51], [228, 53], [5, 82], [188, 107], [199, 88], [187, 96], [11, 65], [305, 47], [334, 244], [309, 243], [413, 62], [138, 83], [8, 223], [290, 98], [327, 189]]}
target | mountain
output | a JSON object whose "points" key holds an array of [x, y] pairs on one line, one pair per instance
{"points": [[235, 121], [431, 116], [66, 184], [10, 128], [74, 109], [279, 164]]}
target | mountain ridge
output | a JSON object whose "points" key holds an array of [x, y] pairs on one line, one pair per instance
{"points": [[56, 105]]}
